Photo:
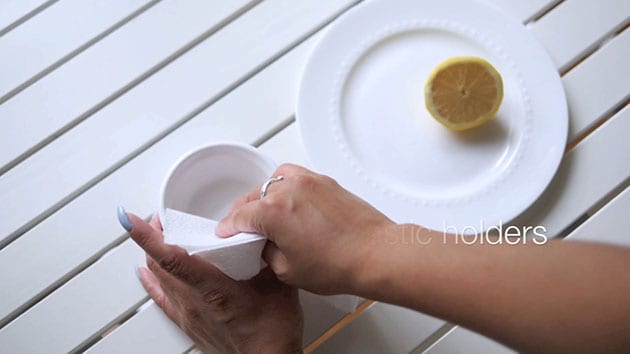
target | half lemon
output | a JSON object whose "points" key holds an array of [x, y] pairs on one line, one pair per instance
{"points": [[464, 92]]}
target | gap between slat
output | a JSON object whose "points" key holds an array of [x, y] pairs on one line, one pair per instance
{"points": [[21, 87], [439, 334], [346, 320], [447, 327], [544, 11], [121, 320], [246, 76], [611, 113], [263, 139], [126, 88], [95, 338], [426, 344], [137, 152], [596, 46], [26, 17], [116, 243], [595, 208]]}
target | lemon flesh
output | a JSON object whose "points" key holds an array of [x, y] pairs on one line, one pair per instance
{"points": [[464, 92]]}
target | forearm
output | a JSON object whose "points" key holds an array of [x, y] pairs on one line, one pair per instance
{"points": [[560, 296]]}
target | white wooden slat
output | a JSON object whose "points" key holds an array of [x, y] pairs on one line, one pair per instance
{"points": [[288, 146], [569, 210], [152, 107], [462, 341], [269, 97], [523, 10], [610, 224], [593, 88], [13, 10], [382, 328], [574, 27], [359, 335], [150, 331], [111, 65], [139, 178], [217, 123], [587, 173], [66, 320], [59, 30], [141, 332], [584, 177], [319, 315]]}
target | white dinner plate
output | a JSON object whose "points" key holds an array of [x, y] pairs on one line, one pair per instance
{"points": [[363, 119]]}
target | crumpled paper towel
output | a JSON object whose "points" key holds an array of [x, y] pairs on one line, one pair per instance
{"points": [[239, 256]]}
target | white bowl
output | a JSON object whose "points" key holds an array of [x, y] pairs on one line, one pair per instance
{"points": [[199, 190]]}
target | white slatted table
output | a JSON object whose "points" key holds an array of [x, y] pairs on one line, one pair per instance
{"points": [[95, 97]]}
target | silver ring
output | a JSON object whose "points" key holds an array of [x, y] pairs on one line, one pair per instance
{"points": [[270, 181]]}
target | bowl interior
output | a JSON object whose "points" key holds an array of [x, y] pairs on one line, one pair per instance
{"points": [[208, 181]]}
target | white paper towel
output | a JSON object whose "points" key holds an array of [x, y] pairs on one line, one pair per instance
{"points": [[239, 256]]}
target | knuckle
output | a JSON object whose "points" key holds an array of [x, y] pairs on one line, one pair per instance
{"points": [[172, 264], [276, 207], [273, 203], [283, 274], [304, 181], [143, 239], [328, 180], [237, 203], [192, 313], [160, 300], [285, 168], [153, 267], [216, 298]]}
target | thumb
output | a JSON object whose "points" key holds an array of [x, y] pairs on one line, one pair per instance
{"points": [[249, 218]]}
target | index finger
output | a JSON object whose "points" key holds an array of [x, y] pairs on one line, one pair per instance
{"points": [[172, 259], [247, 218]]}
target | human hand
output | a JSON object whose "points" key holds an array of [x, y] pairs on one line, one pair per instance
{"points": [[261, 315], [322, 236]]}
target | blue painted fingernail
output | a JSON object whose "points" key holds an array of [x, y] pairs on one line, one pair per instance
{"points": [[124, 219]]}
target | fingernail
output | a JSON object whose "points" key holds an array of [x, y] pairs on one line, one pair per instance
{"points": [[124, 219], [136, 269]]}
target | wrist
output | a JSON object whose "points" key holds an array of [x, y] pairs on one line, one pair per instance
{"points": [[371, 273], [389, 261]]}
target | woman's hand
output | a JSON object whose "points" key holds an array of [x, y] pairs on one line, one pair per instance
{"points": [[322, 237], [261, 315]]}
